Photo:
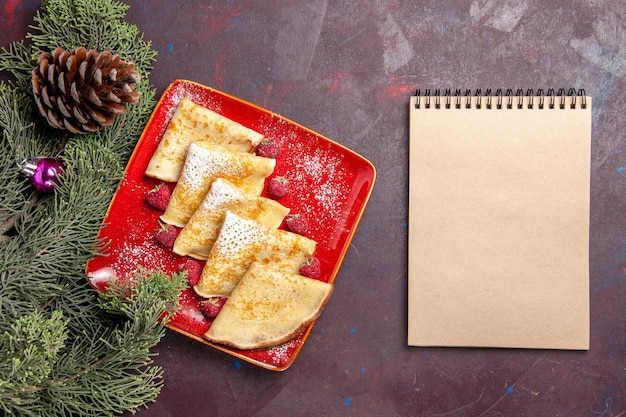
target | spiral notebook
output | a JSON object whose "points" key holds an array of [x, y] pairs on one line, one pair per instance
{"points": [[499, 194]]}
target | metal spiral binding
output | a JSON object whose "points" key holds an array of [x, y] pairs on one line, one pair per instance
{"points": [[562, 99]]}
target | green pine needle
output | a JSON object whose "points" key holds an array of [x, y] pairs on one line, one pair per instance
{"points": [[66, 349]]}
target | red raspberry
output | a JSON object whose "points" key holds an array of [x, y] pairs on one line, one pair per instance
{"points": [[194, 270], [278, 187], [166, 235], [297, 223], [269, 148], [159, 197], [211, 306], [311, 268]]}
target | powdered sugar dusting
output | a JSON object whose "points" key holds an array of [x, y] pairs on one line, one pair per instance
{"points": [[326, 178], [328, 196], [319, 181], [238, 234], [220, 194], [192, 93], [131, 255], [202, 164], [280, 130], [282, 353]]}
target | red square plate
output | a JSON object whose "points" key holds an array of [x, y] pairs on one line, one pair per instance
{"points": [[328, 182]]}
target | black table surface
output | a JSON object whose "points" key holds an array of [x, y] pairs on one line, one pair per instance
{"points": [[346, 70]]}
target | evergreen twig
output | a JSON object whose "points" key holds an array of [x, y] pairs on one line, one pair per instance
{"points": [[65, 349]]}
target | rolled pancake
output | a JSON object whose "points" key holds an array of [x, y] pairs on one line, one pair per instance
{"points": [[192, 122], [243, 241], [268, 307], [200, 232], [206, 162]]}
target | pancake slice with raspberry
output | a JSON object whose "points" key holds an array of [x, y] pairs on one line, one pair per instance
{"points": [[192, 122], [242, 242], [268, 307], [205, 163], [200, 232]]}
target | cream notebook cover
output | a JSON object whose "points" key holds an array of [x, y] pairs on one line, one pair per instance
{"points": [[499, 194]]}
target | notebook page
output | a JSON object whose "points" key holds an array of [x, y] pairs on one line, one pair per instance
{"points": [[499, 227]]}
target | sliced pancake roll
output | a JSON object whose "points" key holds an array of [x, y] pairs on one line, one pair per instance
{"points": [[205, 163], [192, 122], [268, 307], [241, 242], [200, 232]]}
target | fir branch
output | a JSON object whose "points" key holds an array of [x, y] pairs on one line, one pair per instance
{"points": [[29, 351], [18, 60], [86, 357], [22, 137], [121, 376], [123, 372], [94, 24], [151, 301]]}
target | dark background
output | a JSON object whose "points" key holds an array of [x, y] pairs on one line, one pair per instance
{"points": [[346, 70]]}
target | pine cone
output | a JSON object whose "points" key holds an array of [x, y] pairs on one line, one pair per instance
{"points": [[82, 91]]}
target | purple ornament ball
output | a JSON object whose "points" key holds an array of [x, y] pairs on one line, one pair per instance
{"points": [[43, 173]]}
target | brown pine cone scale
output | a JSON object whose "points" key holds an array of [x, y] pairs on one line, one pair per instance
{"points": [[83, 90]]}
